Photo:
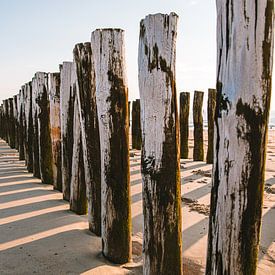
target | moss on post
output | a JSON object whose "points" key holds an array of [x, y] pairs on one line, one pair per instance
{"points": [[160, 159], [112, 107], [89, 131], [198, 153], [211, 107], [136, 126], [184, 124]]}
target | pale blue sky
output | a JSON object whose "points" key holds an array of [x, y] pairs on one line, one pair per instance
{"points": [[38, 35]]}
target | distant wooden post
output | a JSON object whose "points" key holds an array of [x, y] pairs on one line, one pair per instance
{"points": [[15, 115], [28, 127], [6, 118], [198, 154], [112, 107], [89, 132], [245, 33], [211, 107], [55, 121], [44, 133], [184, 124], [2, 123], [21, 132], [36, 152], [160, 159], [67, 117], [136, 127], [11, 125]]}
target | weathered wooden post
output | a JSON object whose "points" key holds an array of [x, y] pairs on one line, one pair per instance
{"points": [[245, 33], [67, 117], [55, 121], [11, 125], [35, 139], [6, 118], [160, 159], [136, 127], [112, 108], [28, 126], [211, 107], [2, 123], [44, 133], [198, 153], [184, 124], [78, 199], [89, 132], [15, 115], [21, 119]]}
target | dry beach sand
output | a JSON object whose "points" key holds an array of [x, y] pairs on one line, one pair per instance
{"points": [[39, 235]]}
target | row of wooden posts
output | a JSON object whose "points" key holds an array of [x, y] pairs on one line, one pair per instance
{"points": [[79, 119]]}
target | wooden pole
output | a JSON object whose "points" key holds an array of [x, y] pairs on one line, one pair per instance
{"points": [[11, 125], [184, 124], [28, 127], [136, 127], [112, 108], [211, 107], [21, 114], [15, 115], [89, 132], [78, 199], [160, 159], [67, 117], [198, 154], [55, 121], [36, 152], [245, 33], [44, 133]]}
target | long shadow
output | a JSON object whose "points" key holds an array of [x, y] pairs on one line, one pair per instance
{"points": [[190, 234], [24, 195], [196, 166], [270, 182], [26, 208], [198, 192], [14, 179], [16, 186], [135, 182], [135, 172], [37, 224], [71, 252]]}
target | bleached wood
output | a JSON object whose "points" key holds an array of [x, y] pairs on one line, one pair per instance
{"points": [[21, 111], [55, 126], [89, 132], [35, 139], [112, 107], [44, 135], [160, 145], [28, 127], [78, 199], [245, 31], [67, 115]]}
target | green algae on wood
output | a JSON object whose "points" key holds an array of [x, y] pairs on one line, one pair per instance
{"points": [[198, 152], [184, 124], [241, 123], [89, 131], [160, 157], [112, 107], [211, 107]]}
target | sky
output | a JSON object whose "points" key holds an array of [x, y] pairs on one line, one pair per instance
{"points": [[38, 35]]}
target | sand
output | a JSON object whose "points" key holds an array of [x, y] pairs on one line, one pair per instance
{"points": [[39, 235]]}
